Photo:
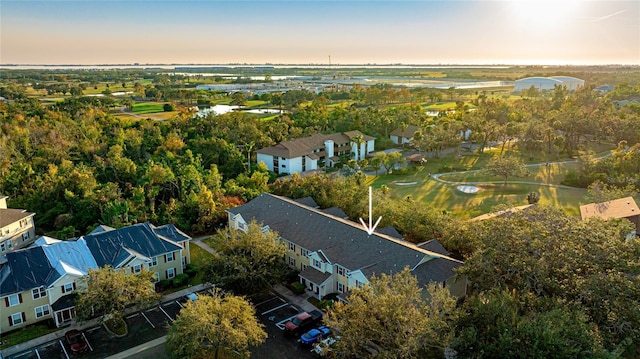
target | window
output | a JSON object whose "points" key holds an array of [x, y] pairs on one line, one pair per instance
{"points": [[304, 266], [292, 247], [305, 253], [9, 243], [23, 222], [154, 262], [317, 263], [241, 226], [359, 284], [171, 272], [69, 287], [25, 236], [284, 166], [39, 293], [16, 318], [342, 271], [292, 261], [170, 257], [136, 269], [13, 300], [2, 247], [340, 287], [42, 311]]}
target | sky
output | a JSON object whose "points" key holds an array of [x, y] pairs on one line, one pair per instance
{"points": [[320, 32]]}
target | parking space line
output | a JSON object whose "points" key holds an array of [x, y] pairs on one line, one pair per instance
{"points": [[268, 300], [37, 353], [63, 349], [276, 308], [148, 321], [280, 323], [165, 313], [87, 341], [180, 304]]}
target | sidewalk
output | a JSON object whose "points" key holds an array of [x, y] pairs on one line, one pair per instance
{"points": [[299, 301], [90, 323]]}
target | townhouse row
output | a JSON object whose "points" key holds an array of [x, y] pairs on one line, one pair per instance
{"points": [[41, 282]]}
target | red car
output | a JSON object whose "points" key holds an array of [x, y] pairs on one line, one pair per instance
{"points": [[76, 341]]}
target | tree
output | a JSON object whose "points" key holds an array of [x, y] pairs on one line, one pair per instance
{"points": [[502, 324], [247, 261], [390, 161], [238, 99], [108, 292], [506, 166], [359, 141], [212, 322], [391, 315], [543, 251]]}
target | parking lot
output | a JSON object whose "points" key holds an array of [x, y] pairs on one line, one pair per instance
{"points": [[273, 311]]}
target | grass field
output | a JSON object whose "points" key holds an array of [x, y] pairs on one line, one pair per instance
{"points": [[446, 197], [148, 107], [159, 116]]}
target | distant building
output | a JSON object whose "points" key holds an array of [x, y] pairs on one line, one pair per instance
{"points": [[401, 136], [548, 83], [604, 89], [17, 229], [313, 152], [618, 208]]}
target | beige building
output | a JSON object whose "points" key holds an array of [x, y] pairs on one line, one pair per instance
{"points": [[618, 208], [335, 255], [16, 227], [41, 282]]}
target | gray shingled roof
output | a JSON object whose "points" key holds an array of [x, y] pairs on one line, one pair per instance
{"points": [[342, 241], [170, 232], [315, 275], [434, 246], [26, 269], [335, 211], [12, 215], [391, 231], [437, 270], [109, 248], [307, 201]]}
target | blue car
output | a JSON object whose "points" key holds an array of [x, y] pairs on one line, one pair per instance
{"points": [[315, 335]]}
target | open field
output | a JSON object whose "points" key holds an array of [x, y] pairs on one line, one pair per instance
{"points": [[447, 197], [148, 107], [154, 116]]}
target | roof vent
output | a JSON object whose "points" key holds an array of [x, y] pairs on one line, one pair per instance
{"points": [[381, 251]]}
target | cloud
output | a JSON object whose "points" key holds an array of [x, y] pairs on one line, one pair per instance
{"points": [[597, 19]]}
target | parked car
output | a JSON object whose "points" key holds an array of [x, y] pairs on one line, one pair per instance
{"points": [[76, 341], [315, 335], [303, 322]]}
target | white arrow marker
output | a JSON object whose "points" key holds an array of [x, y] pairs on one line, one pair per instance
{"points": [[371, 228]]}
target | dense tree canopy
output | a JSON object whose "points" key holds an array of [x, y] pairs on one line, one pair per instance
{"points": [[212, 322]]}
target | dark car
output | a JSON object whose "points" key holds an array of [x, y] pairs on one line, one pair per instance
{"points": [[315, 335], [76, 341]]}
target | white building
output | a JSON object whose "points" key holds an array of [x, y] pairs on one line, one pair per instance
{"points": [[548, 83], [315, 151]]}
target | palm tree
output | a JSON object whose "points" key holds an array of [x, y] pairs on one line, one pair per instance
{"points": [[358, 140]]}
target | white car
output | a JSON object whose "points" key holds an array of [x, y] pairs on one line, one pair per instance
{"points": [[324, 346]]}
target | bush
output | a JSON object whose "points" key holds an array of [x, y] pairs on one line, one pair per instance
{"points": [[168, 107], [191, 270], [162, 285], [180, 280], [297, 288]]}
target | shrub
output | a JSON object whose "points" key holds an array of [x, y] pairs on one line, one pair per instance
{"points": [[297, 288], [180, 280], [191, 270], [162, 285], [168, 107]]}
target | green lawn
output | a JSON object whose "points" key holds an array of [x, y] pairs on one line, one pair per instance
{"points": [[148, 107], [446, 197], [199, 258], [25, 334]]}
